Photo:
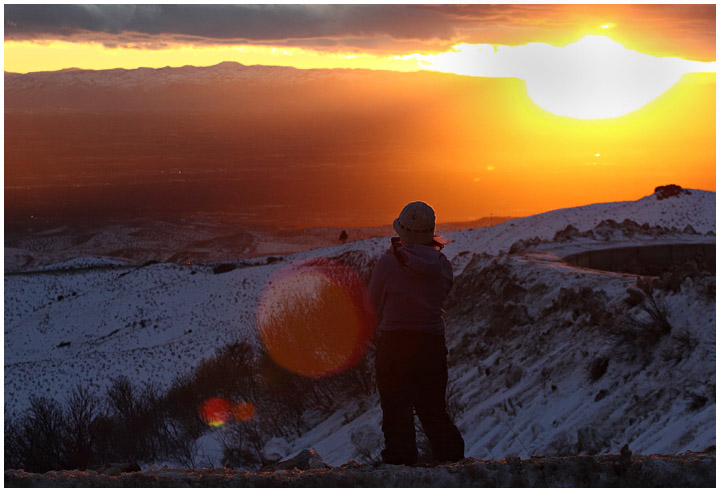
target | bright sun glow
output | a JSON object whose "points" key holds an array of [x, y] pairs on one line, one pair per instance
{"points": [[592, 78], [29, 56]]}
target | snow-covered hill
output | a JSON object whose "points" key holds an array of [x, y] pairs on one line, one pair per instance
{"points": [[522, 393], [696, 209], [197, 240]]}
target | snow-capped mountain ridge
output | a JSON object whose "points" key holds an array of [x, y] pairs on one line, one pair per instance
{"points": [[145, 77]]}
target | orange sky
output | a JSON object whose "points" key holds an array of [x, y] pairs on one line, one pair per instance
{"points": [[619, 63]]}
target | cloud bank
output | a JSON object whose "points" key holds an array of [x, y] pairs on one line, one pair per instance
{"points": [[679, 30]]}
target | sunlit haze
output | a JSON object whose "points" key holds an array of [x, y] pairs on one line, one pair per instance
{"points": [[27, 56], [479, 109], [594, 77]]}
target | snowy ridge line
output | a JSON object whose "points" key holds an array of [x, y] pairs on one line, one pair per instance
{"points": [[31, 250], [145, 77], [691, 469]]}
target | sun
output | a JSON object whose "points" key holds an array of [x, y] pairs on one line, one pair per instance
{"points": [[595, 77]]}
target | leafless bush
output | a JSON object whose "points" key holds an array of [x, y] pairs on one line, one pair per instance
{"points": [[37, 439], [12, 436], [658, 325], [368, 445], [133, 420], [591, 305], [637, 333], [634, 298], [680, 348], [455, 406], [179, 440], [131, 425], [82, 409], [283, 400], [243, 445]]}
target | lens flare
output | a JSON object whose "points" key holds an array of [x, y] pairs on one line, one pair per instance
{"points": [[315, 318], [243, 411], [215, 411]]}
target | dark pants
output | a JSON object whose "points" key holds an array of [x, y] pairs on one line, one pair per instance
{"points": [[411, 373]]}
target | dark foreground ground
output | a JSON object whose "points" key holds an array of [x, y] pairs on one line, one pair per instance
{"points": [[690, 469]]}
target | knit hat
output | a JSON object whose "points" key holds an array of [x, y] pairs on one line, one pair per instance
{"points": [[416, 223]]}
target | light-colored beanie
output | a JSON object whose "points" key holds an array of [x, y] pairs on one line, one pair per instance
{"points": [[416, 223]]}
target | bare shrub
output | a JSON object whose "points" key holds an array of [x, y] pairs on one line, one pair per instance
{"points": [[38, 439], [423, 445], [82, 409], [659, 325], [635, 297], [179, 440], [591, 306], [12, 441], [243, 445], [229, 373], [130, 425], [680, 348], [288, 404], [368, 444], [133, 421], [635, 333]]}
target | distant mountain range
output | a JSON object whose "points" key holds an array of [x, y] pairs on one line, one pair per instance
{"points": [[226, 85], [148, 77]]}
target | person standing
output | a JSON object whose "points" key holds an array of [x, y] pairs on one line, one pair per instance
{"points": [[408, 287]]}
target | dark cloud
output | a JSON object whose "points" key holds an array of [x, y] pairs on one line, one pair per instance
{"points": [[678, 30], [222, 22]]}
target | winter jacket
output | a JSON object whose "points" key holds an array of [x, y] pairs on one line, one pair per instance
{"points": [[409, 297]]}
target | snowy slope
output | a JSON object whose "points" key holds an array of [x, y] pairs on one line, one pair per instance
{"points": [[696, 209], [553, 408], [152, 323], [200, 240]]}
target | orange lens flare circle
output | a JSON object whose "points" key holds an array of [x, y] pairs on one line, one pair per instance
{"points": [[315, 318], [243, 411], [215, 411]]}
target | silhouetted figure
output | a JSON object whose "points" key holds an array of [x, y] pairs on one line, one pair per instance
{"points": [[343, 237], [408, 287]]}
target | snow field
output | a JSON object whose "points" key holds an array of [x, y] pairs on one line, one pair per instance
{"points": [[526, 394]]}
